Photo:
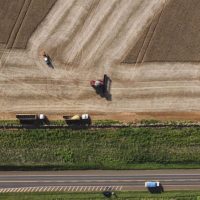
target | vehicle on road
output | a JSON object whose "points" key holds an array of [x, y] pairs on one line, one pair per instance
{"points": [[152, 184]]}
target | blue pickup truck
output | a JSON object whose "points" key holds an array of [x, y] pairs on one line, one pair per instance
{"points": [[152, 184]]}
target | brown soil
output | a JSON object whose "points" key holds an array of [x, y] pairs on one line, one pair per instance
{"points": [[9, 11], [19, 19], [123, 117], [94, 37], [175, 37], [34, 16]]}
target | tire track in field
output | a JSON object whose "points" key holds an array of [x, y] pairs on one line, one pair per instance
{"points": [[120, 47], [18, 23], [6, 55], [156, 72], [141, 91], [154, 30], [149, 35], [135, 105], [14, 25]]}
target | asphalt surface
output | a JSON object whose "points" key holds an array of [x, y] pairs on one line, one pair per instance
{"points": [[127, 180]]}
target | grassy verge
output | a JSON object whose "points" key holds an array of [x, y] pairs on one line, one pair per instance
{"points": [[9, 122], [106, 122], [129, 195], [125, 148]]}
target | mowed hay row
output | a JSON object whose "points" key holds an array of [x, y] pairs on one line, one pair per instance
{"points": [[176, 35], [96, 18], [9, 12], [72, 24], [100, 28]]}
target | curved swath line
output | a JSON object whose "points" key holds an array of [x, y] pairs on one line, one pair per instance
{"points": [[66, 14], [79, 12], [102, 56], [108, 31], [21, 23], [52, 21], [72, 27], [16, 21], [7, 55], [90, 28], [149, 35], [73, 35], [44, 30], [144, 42], [119, 47]]}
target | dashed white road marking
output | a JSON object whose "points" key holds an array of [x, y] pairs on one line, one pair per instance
{"points": [[61, 188], [12, 190], [3, 191], [84, 188]]}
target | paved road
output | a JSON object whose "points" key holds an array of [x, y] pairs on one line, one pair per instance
{"points": [[100, 180]]}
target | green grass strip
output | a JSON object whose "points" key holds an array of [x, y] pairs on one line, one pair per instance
{"points": [[128, 195], [125, 148]]}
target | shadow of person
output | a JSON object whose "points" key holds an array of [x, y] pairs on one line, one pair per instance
{"points": [[50, 63]]}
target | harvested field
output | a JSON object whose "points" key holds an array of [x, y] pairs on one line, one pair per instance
{"points": [[173, 38], [20, 18], [87, 39], [9, 12], [36, 12]]}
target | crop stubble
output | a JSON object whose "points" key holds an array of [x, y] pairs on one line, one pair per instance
{"points": [[19, 19], [176, 36], [99, 53]]}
